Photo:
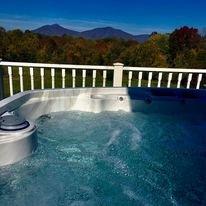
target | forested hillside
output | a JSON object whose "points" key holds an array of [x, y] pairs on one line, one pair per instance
{"points": [[182, 48]]}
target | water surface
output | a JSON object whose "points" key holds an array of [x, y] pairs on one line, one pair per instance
{"points": [[111, 158]]}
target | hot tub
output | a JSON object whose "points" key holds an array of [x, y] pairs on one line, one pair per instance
{"points": [[103, 146], [18, 140]]}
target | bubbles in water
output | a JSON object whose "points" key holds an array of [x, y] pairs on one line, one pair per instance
{"points": [[135, 137], [111, 158], [129, 193], [118, 166], [114, 136]]}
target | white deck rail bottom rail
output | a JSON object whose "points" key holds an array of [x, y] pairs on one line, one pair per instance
{"points": [[135, 76]]}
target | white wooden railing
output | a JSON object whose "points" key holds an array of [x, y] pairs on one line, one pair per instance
{"points": [[170, 72], [134, 75]]}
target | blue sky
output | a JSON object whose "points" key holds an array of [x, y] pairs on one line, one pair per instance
{"points": [[136, 17]]}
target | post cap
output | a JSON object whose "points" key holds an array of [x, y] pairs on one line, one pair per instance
{"points": [[118, 64]]}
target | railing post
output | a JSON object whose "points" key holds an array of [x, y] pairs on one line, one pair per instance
{"points": [[118, 74], [1, 82]]}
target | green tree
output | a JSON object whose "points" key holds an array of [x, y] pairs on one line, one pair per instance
{"points": [[186, 59], [162, 42], [145, 55]]}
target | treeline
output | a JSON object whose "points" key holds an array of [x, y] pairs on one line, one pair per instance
{"points": [[183, 48]]}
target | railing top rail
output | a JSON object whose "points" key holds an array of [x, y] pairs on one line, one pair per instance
{"points": [[97, 67], [62, 66], [175, 70]]}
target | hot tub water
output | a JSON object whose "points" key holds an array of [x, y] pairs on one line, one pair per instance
{"points": [[111, 158]]}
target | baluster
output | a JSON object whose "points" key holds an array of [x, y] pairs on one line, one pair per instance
{"points": [[21, 79], [139, 79], [32, 78], [149, 79], [199, 81], [10, 81], [53, 77], [73, 77], [130, 79], [63, 78], [104, 78], [83, 77], [94, 74], [169, 80], [42, 77], [189, 80], [179, 80], [159, 79]]}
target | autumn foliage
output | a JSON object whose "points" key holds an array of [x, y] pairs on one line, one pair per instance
{"points": [[182, 48]]}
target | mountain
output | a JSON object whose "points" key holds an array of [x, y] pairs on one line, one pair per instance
{"points": [[202, 32], [141, 38], [98, 33], [55, 30], [106, 32]]}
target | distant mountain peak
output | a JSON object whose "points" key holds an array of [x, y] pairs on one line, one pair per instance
{"points": [[55, 25], [106, 28], [106, 32], [55, 30], [96, 33]]}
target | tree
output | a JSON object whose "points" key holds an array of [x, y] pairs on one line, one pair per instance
{"points": [[145, 55], [162, 42], [3, 43], [183, 48], [186, 59], [182, 40], [201, 59]]}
